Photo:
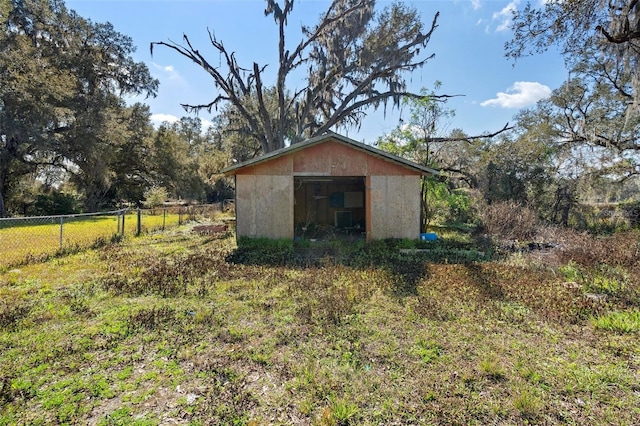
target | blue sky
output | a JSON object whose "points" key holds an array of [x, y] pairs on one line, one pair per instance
{"points": [[468, 46]]}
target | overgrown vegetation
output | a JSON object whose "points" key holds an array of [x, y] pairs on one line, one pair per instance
{"points": [[182, 328]]}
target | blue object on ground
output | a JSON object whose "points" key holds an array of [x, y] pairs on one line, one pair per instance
{"points": [[429, 236]]}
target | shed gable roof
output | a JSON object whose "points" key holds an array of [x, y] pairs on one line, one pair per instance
{"points": [[331, 136]]}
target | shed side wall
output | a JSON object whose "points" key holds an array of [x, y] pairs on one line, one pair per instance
{"points": [[395, 207], [264, 206]]}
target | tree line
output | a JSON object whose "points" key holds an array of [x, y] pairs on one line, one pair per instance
{"points": [[68, 140], [68, 136]]}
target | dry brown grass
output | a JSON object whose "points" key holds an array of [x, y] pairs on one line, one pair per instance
{"points": [[509, 220]]}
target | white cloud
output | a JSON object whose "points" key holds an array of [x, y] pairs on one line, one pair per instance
{"points": [[171, 71], [161, 118], [505, 16], [168, 71], [521, 94], [205, 124], [476, 4]]}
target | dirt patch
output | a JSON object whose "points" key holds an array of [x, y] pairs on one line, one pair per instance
{"points": [[210, 229]]}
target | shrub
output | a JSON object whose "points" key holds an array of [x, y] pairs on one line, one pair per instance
{"points": [[632, 211], [621, 249], [461, 207], [508, 220], [155, 196], [56, 203]]}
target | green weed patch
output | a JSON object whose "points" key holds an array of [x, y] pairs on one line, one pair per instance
{"points": [[619, 322]]}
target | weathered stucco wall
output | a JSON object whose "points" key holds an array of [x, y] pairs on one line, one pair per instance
{"points": [[395, 207], [264, 206]]}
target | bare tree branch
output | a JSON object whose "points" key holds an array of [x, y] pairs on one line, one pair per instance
{"points": [[468, 139], [351, 52]]}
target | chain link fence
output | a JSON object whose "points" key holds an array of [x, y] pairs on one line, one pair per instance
{"points": [[29, 239]]}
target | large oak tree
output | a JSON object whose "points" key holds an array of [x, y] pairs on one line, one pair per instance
{"points": [[608, 29], [62, 82], [355, 57], [595, 115]]}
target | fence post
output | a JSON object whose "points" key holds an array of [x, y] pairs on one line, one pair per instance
{"points": [[124, 214], [139, 223], [164, 217], [121, 214], [61, 227]]}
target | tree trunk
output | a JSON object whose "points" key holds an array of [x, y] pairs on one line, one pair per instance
{"points": [[425, 214], [569, 202], [4, 184]]}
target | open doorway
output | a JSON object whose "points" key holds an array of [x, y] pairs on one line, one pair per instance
{"points": [[329, 207]]}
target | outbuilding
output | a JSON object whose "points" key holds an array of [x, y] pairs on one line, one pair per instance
{"points": [[328, 185]]}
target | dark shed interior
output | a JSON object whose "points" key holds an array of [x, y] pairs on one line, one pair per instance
{"points": [[329, 206]]}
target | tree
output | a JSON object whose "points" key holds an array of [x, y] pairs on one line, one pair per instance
{"points": [[62, 79], [610, 29], [422, 139], [425, 139], [175, 158], [355, 57], [516, 168], [577, 137], [592, 122], [131, 163], [155, 196], [588, 125]]}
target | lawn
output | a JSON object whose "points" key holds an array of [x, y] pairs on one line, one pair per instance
{"points": [[177, 328], [39, 238]]}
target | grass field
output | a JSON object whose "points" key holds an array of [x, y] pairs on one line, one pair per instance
{"points": [[40, 238], [176, 328]]}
